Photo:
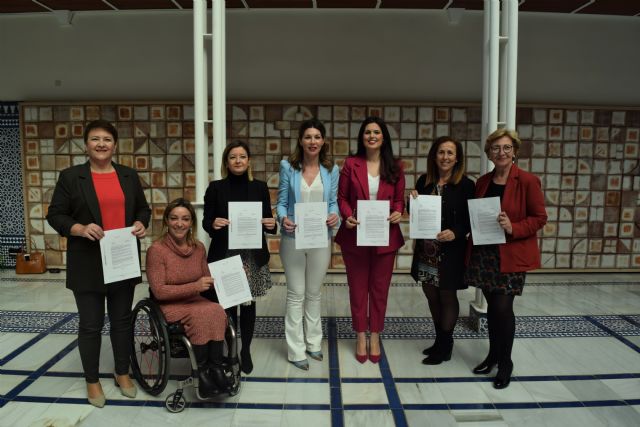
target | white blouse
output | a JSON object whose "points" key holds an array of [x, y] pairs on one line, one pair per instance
{"points": [[313, 192], [374, 184]]}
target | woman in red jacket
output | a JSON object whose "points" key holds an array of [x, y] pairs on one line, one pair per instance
{"points": [[371, 174], [499, 270]]}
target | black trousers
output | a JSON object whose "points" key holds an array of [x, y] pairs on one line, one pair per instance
{"points": [[91, 311]]}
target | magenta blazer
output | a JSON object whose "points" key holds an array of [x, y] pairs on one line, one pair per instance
{"points": [[353, 185]]}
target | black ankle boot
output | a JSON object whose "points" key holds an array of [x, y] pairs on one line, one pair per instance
{"points": [[486, 366], [442, 352], [221, 376], [206, 387], [503, 377], [427, 351], [247, 364]]}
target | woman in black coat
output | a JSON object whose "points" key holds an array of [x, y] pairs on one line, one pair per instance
{"points": [[89, 199], [439, 264], [238, 185]]}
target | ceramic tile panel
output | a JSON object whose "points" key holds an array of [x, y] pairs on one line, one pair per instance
{"points": [[586, 159]]}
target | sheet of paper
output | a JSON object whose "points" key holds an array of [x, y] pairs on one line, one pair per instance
{"points": [[373, 229], [311, 222], [230, 281], [425, 217], [483, 215], [119, 251], [245, 226]]}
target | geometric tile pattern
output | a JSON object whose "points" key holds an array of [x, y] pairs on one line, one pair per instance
{"points": [[395, 327], [11, 201], [586, 158]]}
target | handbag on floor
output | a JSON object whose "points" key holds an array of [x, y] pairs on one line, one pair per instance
{"points": [[30, 262]]}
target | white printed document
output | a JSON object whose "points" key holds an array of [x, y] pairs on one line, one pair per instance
{"points": [[119, 251], [483, 215], [245, 225], [373, 229], [311, 225], [230, 281], [425, 217]]}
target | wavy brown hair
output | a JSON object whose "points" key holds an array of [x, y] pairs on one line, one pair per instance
{"points": [[296, 159], [433, 174]]}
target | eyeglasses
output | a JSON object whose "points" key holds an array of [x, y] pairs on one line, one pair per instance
{"points": [[495, 149]]}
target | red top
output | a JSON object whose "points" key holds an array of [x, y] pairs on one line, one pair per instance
{"points": [[110, 199]]}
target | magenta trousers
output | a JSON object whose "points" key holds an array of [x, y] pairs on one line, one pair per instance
{"points": [[369, 277]]}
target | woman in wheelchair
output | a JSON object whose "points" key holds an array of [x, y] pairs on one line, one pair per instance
{"points": [[177, 271]]}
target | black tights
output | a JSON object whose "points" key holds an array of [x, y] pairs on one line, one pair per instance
{"points": [[502, 327], [247, 322], [444, 307]]}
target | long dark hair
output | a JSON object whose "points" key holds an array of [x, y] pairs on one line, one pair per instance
{"points": [[389, 167], [296, 158]]}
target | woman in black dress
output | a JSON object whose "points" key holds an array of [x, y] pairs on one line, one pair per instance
{"points": [[238, 185], [439, 264]]}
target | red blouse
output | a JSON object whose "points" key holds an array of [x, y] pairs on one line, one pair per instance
{"points": [[110, 199]]}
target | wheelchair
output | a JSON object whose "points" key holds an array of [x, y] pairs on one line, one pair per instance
{"points": [[155, 342]]}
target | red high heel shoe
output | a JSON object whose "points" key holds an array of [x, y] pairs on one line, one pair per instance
{"points": [[361, 357], [375, 358]]}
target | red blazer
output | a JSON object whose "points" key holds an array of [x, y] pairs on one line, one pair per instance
{"points": [[353, 185], [523, 202]]}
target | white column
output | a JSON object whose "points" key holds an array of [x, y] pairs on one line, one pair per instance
{"points": [[499, 60], [200, 108], [512, 63], [219, 93]]}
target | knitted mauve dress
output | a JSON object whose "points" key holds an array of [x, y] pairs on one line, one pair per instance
{"points": [[173, 274]]}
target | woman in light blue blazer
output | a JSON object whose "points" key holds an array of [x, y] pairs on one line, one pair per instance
{"points": [[309, 175]]}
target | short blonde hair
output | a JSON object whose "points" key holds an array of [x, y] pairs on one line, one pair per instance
{"points": [[499, 133]]}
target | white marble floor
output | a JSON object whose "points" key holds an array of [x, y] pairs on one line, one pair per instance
{"points": [[576, 356]]}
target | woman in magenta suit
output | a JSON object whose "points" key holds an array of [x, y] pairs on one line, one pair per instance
{"points": [[499, 270], [372, 173]]}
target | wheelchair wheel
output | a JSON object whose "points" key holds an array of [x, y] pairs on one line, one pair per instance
{"points": [[175, 402], [235, 388], [150, 355]]}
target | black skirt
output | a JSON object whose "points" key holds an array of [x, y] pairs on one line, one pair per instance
{"points": [[483, 272]]}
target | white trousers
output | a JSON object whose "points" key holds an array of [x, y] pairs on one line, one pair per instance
{"points": [[304, 270]]}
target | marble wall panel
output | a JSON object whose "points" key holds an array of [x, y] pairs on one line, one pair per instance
{"points": [[586, 158]]}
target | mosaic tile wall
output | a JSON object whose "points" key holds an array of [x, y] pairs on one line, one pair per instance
{"points": [[587, 159], [11, 218]]}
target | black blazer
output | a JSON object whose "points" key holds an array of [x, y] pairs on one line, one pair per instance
{"points": [[75, 201], [455, 217], [216, 205]]}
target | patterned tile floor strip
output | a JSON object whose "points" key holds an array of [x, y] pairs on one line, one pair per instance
{"points": [[276, 282], [395, 327]]}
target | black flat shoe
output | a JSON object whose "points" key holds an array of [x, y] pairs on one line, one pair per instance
{"points": [[485, 367], [503, 378]]}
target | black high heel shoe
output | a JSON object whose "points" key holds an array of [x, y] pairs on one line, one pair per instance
{"points": [[485, 367], [503, 378]]}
